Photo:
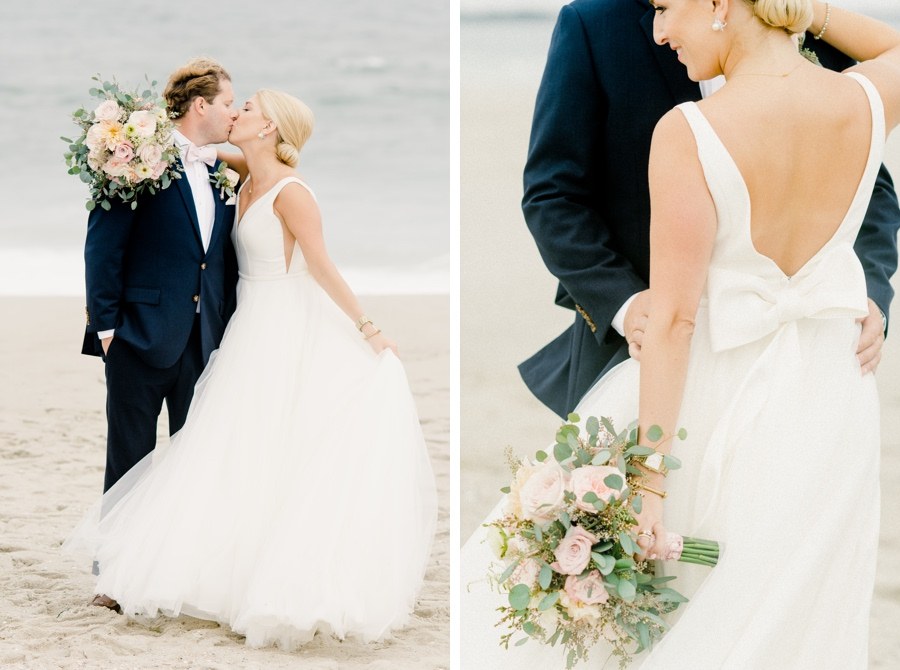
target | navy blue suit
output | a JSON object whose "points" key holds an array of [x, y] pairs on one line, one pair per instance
{"points": [[146, 272], [586, 202]]}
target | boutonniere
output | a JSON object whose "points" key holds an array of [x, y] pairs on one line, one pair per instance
{"points": [[225, 179]]}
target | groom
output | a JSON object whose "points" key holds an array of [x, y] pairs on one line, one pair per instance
{"points": [[587, 204], [161, 278]]}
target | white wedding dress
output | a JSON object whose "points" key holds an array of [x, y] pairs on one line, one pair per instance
{"points": [[298, 497], [780, 464]]}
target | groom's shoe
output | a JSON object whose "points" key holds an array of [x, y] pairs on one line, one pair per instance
{"points": [[101, 600]]}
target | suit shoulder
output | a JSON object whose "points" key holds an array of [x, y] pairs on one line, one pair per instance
{"points": [[608, 11]]}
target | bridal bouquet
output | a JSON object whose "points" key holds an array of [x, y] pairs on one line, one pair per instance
{"points": [[570, 563], [125, 147]]}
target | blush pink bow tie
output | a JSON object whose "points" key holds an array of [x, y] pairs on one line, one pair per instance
{"points": [[205, 154]]}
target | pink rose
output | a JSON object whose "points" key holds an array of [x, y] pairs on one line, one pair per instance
{"points": [[588, 590], [525, 573], [672, 548], [589, 479], [150, 154], [543, 495], [124, 151], [108, 110], [115, 168], [158, 169], [573, 553]]}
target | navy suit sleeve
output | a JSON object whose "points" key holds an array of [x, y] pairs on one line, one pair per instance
{"points": [[563, 169], [104, 252], [876, 244]]}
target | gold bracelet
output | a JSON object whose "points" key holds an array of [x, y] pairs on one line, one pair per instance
{"points": [[655, 462], [824, 25], [650, 489], [362, 321], [377, 330]]}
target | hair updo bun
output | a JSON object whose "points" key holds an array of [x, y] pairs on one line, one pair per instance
{"points": [[293, 120], [287, 154], [793, 16]]}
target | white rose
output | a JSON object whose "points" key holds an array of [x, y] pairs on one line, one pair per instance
{"points": [[108, 110], [150, 154], [144, 123], [496, 540], [542, 496]]}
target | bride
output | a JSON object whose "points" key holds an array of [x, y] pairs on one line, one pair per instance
{"points": [[755, 297], [298, 497]]}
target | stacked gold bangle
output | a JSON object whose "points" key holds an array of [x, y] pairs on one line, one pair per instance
{"points": [[361, 323]]}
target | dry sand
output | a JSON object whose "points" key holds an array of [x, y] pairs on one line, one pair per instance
{"points": [[52, 436], [507, 313]]}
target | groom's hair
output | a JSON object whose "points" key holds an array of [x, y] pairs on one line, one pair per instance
{"points": [[201, 77]]}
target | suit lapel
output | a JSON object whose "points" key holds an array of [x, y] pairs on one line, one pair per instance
{"points": [[673, 72], [219, 217], [184, 188]]}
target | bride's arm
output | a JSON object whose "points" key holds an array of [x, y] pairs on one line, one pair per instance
{"points": [[682, 233], [298, 210], [874, 43], [235, 161]]}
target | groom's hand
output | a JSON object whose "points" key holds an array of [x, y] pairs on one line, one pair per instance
{"points": [[871, 339], [636, 323], [105, 342]]}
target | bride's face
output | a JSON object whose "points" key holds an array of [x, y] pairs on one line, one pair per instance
{"points": [[249, 123], [686, 26]]}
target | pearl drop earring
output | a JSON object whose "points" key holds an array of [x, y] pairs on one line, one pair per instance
{"points": [[261, 135], [718, 25]]}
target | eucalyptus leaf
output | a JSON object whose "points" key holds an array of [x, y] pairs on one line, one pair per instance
{"points": [[601, 457], [637, 503], [545, 576], [541, 456], [589, 497], [562, 452], [106, 205], [613, 481], [682, 434], [505, 489], [519, 597], [638, 450], [592, 426], [509, 570], [574, 418], [608, 425], [654, 433], [671, 462], [521, 642], [644, 634], [548, 601], [627, 590]]}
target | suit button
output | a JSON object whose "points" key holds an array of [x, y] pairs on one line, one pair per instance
{"points": [[196, 298], [202, 266]]}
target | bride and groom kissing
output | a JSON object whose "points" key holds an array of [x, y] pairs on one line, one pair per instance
{"points": [[761, 323], [234, 316]]}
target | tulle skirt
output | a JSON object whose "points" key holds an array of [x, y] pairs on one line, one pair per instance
{"points": [[298, 497], [780, 466]]}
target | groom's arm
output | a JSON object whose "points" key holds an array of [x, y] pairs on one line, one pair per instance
{"points": [[876, 244], [104, 253], [561, 178]]}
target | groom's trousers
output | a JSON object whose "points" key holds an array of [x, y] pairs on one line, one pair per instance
{"points": [[135, 393]]}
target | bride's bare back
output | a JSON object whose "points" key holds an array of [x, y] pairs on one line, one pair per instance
{"points": [[801, 160]]}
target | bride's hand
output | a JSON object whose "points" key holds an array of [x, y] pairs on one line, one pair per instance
{"points": [[379, 343], [650, 531]]}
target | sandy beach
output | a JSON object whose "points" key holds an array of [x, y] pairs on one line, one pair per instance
{"points": [[507, 310], [52, 437]]}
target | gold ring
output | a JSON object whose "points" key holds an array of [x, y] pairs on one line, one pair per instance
{"points": [[647, 534]]}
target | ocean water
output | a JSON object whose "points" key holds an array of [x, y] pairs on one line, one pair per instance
{"points": [[377, 76]]}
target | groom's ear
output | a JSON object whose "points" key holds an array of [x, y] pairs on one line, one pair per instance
{"points": [[199, 105]]}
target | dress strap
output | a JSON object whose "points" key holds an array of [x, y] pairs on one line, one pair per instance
{"points": [[296, 180]]}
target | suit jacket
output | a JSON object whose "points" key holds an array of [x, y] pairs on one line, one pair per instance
{"points": [[146, 272], [586, 201]]}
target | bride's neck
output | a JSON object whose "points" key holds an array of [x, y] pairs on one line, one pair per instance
{"points": [[262, 164], [769, 52]]}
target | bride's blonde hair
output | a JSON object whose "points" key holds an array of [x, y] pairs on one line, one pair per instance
{"points": [[294, 123], [793, 16]]}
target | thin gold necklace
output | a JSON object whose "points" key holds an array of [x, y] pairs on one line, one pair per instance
{"points": [[780, 75]]}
